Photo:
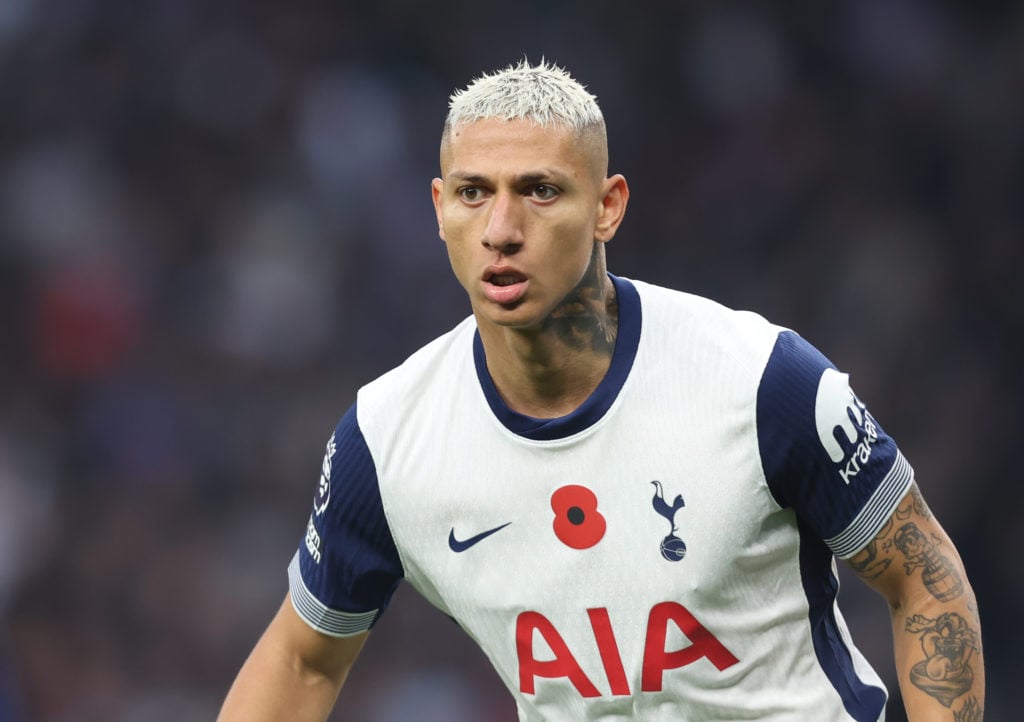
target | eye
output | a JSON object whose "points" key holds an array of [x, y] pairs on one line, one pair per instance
{"points": [[544, 192], [471, 194]]}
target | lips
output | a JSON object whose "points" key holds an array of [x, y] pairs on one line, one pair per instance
{"points": [[504, 285]]}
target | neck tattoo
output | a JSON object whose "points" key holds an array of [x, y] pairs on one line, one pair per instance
{"points": [[588, 320]]}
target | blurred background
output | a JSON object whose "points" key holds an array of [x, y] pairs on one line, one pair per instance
{"points": [[215, 225]]}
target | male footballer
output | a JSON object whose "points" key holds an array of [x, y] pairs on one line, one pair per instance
{"points": [[632, 498]]}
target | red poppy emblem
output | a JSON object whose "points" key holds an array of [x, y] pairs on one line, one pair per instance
{"points": [[577, 523]]}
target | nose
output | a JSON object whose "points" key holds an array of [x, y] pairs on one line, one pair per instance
{"points": [[504, 229]]}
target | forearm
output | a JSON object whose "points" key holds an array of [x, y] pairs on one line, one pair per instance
{"points": [[272, 688], [939, 657], [936, 629], [293, 674]]}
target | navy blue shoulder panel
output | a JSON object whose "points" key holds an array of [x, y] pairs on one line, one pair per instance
{"points": [[598, 403], [348, 559], [823, 454]]}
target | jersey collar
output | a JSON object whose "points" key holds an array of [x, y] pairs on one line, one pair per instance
{"points": [[598, 403]]}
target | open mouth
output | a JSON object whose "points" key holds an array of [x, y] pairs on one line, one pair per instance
{"points": [[505, 279], [505, 286]]}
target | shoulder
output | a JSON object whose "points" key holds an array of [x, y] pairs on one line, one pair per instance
{"points": [[425, 377], [424, 363], [700, 325], [823, 452]]}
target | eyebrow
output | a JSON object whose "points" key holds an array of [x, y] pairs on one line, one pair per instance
{"points": [[521, 179]]}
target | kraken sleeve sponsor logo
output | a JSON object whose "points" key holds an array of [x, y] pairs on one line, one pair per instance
{"points": [[323, 492], [845, 428]]}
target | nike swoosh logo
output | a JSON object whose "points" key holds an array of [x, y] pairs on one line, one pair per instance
{"points": [[460, 546]]}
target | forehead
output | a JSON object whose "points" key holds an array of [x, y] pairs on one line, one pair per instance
{"points": [[493, 145]]}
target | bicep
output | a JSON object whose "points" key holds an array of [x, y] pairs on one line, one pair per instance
{"points": [[310, 651], [294, 672], [911, 554]]}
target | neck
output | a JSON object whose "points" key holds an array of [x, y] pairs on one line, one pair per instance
{"points": [[549, 372]]}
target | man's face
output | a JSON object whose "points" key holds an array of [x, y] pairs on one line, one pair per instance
{"points": [[520, 207]]}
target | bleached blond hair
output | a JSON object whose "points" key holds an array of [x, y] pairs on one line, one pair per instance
{"points": [[545, 94]]}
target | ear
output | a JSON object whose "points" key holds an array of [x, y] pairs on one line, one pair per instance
{"points": [[436, 189], [612, 207]]}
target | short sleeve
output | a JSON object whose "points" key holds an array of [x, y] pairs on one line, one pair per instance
{"points": [[824, 455], [347, 568]]}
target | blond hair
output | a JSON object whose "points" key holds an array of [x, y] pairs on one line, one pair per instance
{"points": [[543, 93]]}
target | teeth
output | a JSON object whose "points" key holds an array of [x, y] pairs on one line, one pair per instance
{"points": [[504, 280]]}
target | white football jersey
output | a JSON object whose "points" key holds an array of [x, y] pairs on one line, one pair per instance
{"points": [[665, 552]]}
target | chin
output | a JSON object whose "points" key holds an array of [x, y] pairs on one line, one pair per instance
{"points": [[512, 317]]}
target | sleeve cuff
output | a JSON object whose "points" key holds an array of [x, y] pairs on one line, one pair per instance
{"points": [[318, 615], [876, 512]]}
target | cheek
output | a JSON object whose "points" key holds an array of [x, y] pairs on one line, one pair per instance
{"points": [[573, 244], [460, 227], [458, 254]]}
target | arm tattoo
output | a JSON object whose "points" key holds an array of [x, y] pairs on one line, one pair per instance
{"points": [[915, 504], [945, 673], [940, 576], [970, 712], [949, 641], [866, 563]]}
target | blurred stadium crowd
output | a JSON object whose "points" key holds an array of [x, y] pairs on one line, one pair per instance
{"points": [[215, 224]]}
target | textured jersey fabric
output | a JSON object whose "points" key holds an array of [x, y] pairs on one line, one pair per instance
{"points": [[665, 552]]}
